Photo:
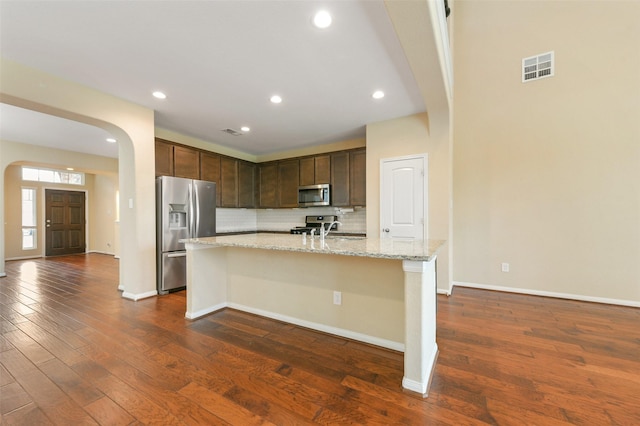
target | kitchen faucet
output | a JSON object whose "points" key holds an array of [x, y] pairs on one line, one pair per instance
{"points": [[325, 231]]}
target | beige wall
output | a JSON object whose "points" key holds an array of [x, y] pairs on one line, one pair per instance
{"points": [[102, 214], [547, 173], [100, 201], [100, 187], [302, 287], [133, 128], [406, 136]]}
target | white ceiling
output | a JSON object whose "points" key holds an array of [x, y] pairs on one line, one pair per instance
{"points": [[219, 62]]}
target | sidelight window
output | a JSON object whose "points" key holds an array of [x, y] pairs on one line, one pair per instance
{"points": [[29, 230]]}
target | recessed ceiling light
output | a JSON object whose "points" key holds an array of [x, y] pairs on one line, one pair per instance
{"points": [[159, 95], [378, 94], [70, 169], [276, 99], [245, 128], [111, 140], [322, 19]]}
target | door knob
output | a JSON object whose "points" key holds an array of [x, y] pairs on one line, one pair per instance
{"points": [[386, 229], [48, 220], [48, 226]]}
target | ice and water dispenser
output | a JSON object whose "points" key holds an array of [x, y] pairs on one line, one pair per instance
{"points": [[177, 216]]}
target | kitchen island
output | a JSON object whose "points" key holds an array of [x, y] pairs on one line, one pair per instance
{"points": [[380, 291]]}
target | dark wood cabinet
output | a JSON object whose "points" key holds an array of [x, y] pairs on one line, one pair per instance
{"points": [[228, 182], [322, 169], [164, 158], [307, 171], [315, 170], [288, 178], [275, 184], [340, 179], [268, 184], [246, 184], [186, 162], [358, 178], [210, 170]]}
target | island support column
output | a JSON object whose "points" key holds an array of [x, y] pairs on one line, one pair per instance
{"points": [[420, 348], [206, 279]]}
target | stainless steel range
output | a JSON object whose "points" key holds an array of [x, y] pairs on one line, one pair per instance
{"points": [[315, 222]]}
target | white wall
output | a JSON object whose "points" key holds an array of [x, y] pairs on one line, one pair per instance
{"points": [[282, 220], [547, 173]]}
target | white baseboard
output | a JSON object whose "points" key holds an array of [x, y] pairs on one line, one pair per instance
{"points": [[389, 344], [531, 292], [203, 312], [445, 292], [39, 256], [136, 297], [101, 252], [422, 387]]}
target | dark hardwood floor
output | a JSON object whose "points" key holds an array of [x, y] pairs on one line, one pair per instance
{"points": [[72, 352]]}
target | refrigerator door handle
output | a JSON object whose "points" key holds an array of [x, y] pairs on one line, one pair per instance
{"points": [[191, 210], [181, 254], [196, 211]]}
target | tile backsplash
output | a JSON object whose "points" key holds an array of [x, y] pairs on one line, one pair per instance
{"points": [[237, 220]]}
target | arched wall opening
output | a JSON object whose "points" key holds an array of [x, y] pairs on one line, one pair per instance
{"points": [[133, 127]]}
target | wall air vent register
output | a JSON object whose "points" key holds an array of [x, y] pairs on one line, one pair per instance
{"points": [[537, 67]]}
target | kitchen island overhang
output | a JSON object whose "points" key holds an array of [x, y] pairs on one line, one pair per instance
{"points": [[295, 286]]}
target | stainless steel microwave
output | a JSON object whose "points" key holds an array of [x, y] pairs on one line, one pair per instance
{"points": [[314, 195]]}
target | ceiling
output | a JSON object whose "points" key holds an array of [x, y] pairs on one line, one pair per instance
{"points": [[219, 62]]}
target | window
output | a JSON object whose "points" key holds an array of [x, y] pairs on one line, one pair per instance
{"points": [[52, 176], [29, 217]]}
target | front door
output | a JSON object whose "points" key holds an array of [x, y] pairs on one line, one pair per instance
{"points": [[64, 222], [403, 197]]}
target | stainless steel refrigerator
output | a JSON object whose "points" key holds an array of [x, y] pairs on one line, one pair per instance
{"points": [[185, 208]]}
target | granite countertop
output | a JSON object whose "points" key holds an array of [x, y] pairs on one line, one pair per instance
{"points": [[419, 250]]}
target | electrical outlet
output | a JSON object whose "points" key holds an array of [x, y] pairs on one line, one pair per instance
{"points": [[505, 267], [337, 298]]}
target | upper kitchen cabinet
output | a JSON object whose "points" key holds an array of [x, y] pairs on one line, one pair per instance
{"points": [[274, 184], [288, 182], [315, 170], [228, 182], [164, 158], [340, 179], [349, 178], [358, 178], [246, 184], [268, 185], [210, 170], [186, 162]]}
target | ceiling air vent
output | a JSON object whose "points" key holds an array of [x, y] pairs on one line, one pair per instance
{"points": [[537, 67], [232, 132]]}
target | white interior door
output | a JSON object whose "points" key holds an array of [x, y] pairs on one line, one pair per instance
{"points": [[403, 197]]}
